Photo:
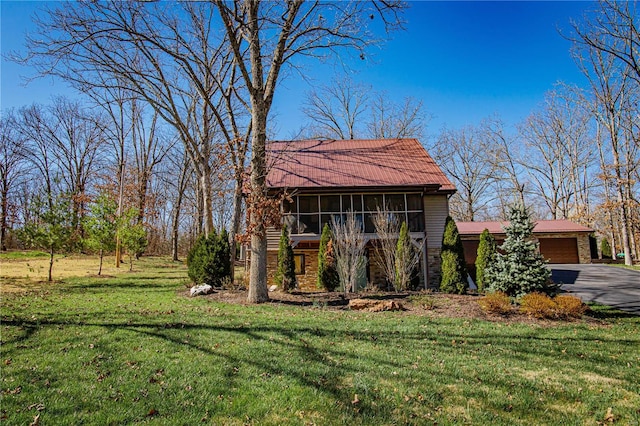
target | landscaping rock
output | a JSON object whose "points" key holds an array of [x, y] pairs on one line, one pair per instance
{"points": [[197, 290], [375, 305]]}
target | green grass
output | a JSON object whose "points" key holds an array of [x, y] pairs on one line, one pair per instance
{"points": [[12, 255], [134, 350]]}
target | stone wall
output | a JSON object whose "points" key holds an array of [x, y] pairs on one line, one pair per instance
{"points": [[306, 281], [433, 259]]}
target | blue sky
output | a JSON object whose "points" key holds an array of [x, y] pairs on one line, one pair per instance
{"points": [[464, 60]]}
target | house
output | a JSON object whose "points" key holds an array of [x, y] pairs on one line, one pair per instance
{"points": [[325, 179], [561, 241]]}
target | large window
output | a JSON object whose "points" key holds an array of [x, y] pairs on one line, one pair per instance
{"points": [[307, 214]]}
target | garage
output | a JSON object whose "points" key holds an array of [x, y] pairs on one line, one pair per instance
{"points": [[560, 250], [561, 241]]}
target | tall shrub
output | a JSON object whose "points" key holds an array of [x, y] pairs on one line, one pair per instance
{"points": [[286, 272], [485, 256], [407, 257], [327, 273], [209, 259], [521, 269], [454, 270]]}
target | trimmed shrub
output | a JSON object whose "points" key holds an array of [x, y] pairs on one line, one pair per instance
{"points": [[561, 307], [569, 307], [496, 303], [286, 272], [486, 255], [538, 305], [209, 261], [521, 269], [327, 274], [454, 270]]}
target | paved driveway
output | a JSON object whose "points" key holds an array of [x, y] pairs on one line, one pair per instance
{"points": [[608, 285]]}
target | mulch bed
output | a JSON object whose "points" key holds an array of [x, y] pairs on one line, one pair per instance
{"points": [[432, 305]]}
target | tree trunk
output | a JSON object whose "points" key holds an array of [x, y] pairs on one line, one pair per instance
{"points": [[235, 224], [258, 292], [207, 209], [100, 268], [3, 220], [50, 263]]}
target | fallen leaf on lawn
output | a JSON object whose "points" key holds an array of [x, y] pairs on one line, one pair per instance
{"points": [[36, 421], [152, 412], [609, 417], [355, 399]]}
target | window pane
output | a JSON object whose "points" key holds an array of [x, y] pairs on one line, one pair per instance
{"points": [[289, 206], [346, 203], [414, 202], [372, 202], [309, 224], [357, 203], [330, 203], [308, 204], [329, 218], [416, 222], [369, 227], [395, 202]]}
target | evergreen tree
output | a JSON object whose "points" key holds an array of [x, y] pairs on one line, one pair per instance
{"points": [[101, 227], [286, 272], [606, 249], [209, 259], [453, 267], [521, 269], [132, 235], [327, 274], [51, 228], [485, 256], [406, 259]]}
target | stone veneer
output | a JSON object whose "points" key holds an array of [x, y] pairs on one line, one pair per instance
{"points": [[434, 272]]}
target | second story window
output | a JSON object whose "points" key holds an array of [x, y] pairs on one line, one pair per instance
{"points": [[307, 214]]}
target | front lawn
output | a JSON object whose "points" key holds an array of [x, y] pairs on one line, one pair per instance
{"points": [[133, 348]]}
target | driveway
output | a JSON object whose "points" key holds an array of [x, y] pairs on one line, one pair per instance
{"points": [[607, 285]]}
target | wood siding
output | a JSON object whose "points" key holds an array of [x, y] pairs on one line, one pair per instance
{"points": [[436, 210]]}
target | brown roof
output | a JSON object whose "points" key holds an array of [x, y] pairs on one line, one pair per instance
{"points": [[542, 227], [353, 164]]}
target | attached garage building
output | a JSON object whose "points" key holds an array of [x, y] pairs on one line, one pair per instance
{"points": [[561, 241]]}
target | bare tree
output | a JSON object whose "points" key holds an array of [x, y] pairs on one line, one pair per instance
{"points": [[264, 37], [390, 120], [12, 169], [467, 156], [349, 250], [64, 143], [387, 228], [335, 110], [560, 155], [606, 50], [166, 53], [510, 181], [345, 109]]}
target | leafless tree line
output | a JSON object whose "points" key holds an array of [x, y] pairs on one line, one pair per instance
{"points": [[208, 71]]}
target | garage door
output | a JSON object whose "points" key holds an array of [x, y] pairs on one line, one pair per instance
{"points": [[559, 250]]}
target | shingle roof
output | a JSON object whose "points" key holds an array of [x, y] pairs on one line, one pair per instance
{"points": [[352, 163], [542, 226]]}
